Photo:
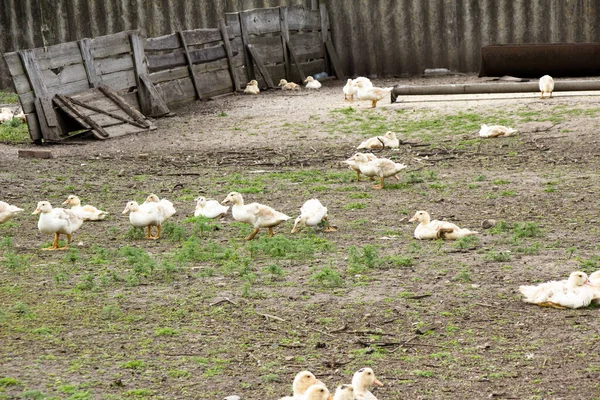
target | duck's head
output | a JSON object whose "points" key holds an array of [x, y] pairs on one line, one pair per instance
{"points": [[72, 200], [152, 198], [131, 206], [309, 79], [360, 158], [421, 216], [283, 82], [358, 83], [595, 276], [365, 378], [317, 392], [298, 223], [43, 207], [344, 392], [390, 135], [578, 278], [349, 82], [302, 381], [200, 202], [233, 198], [253, 82]]}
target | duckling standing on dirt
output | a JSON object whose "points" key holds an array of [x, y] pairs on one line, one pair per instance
{"points": [[313, 213], [381, 167], [546, 85], [57, 221], [349, 91], [353, 165], [256, 214]]}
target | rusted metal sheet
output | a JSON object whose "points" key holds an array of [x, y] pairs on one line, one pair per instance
{"points": [[535, 60]]}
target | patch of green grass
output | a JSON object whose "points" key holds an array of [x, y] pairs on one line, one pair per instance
{"points": [[7, 381], [464, 275], [361, 259], [526, 229], [327, 277], [33, 394], [165, 332], [14, 261], [8, 97], [173, 232], [133, 364], [280, 246], [274, 270], [143, 393], [14, 131], [497, 256], [179, 373], [466, 243], [423, 374], [399, 261], [355, 206], [500, 227], [362, 195]]}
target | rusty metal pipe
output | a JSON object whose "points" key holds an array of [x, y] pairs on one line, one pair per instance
{"points": [[478, 88]]}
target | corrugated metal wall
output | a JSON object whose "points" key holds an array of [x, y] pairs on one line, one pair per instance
{"points": [[384, 38]]}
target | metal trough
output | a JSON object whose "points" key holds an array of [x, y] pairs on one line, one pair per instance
{"points": [[536, 60], [491, 87]]}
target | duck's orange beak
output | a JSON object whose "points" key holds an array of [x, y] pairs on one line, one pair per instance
{"points": [[413, 219], [37, 211], [377, 382]]}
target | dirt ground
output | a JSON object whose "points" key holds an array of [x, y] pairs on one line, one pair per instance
{"points": [[202, 314]]}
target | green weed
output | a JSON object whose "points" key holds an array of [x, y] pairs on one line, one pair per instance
{"points": [[327, 277]]}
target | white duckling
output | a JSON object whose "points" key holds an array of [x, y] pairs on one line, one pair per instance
{"points": [[256, 214], [495, 131], [6, 114], [312, 213], [381, 167], [302, 381], [575, 292], [344, 392], [374, 94], [389, 139], [209, 208], [252, 87], [7, 211], [353, 165], [546, 85], [312, 83], [285, 85], [428, 229], [317, 392], [362, 381], [166, 207], [365, 81], [150, 213], [87, 212], [57, 221], [349, 91]]}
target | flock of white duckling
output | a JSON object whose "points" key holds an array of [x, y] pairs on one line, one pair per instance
{"points": [[360, 88], [307, 387]]}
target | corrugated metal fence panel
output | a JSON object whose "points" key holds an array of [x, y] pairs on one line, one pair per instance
{"points": [[372, 37], [406, 36]]}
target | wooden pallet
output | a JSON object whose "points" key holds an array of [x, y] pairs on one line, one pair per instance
{"points": [[103, 113]]}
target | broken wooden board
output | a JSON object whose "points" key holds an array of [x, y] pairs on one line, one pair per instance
{"points": [[103, 114]]}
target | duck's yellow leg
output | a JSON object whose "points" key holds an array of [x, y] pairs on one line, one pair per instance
{"points": [[54, 244], [550, 94], [380, 186], [251, 236], [68, 242], [373, 103], [551, 304], [328, 228], [542, 95], [358, 176], [271, 232], [157, 233]]}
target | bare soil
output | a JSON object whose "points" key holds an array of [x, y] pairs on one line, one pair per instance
{"points": [[435, 320]]}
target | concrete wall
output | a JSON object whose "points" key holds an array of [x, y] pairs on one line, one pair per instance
{"points": [[372, 37]]}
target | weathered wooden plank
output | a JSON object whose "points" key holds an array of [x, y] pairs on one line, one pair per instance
{"points": [[140, 67], [261, 66], [178, 58], [118, 80], [180, 91], [304, 19], [85, 106], [27, 99], [190, 64], [108, 65], [57, 56], [324, 31], [159, 107], [193, 37], [88, 61], [245, 43], [314, 4], [51, 133], [33, 73], [124, 129], [34, 127], [228, 50], [114, 96], [337, 65], [51, 79], [307, 45], [269, 48], [13, 62], [285, 38], [233, 22], [111, 45], [277, 72], [260, 21], [296, 62], [182, 72]]}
